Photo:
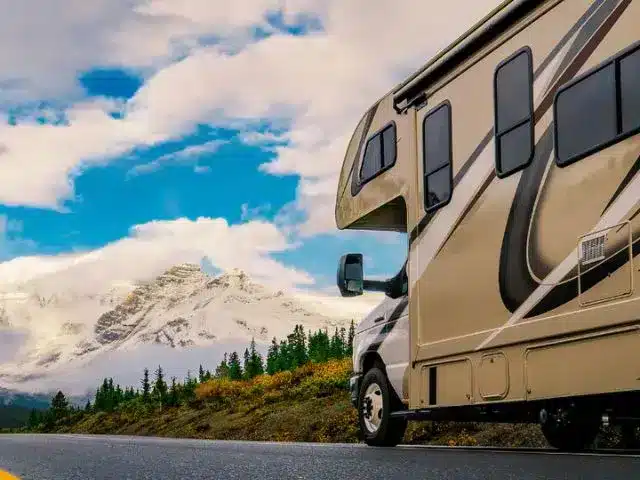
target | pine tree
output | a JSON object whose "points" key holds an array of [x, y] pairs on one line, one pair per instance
{"points": [[34, 418], [119, 395], [98, 400], [126, 395], [246, 367], [272, 357], [336, 346], [59, 405], [87, 407], [235, 369], [351, 336], [160, 387], [284, 357], [189, 388], [297, 340], [256, 359], [343, 342], [173, 393], [253, 362], [146, 387], [222, 370], [201, 374], [110, 395]]}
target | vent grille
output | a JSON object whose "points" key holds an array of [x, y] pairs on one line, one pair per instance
{"points": [[592, 249]]}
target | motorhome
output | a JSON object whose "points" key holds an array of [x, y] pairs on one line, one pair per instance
{"points": [[511, 161]]}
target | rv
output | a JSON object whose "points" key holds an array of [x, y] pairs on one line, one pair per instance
{"points": [[511, 161]]}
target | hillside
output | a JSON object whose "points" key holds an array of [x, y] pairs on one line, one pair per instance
{"points": [[310, 404], [299, 394], [181, 308]]}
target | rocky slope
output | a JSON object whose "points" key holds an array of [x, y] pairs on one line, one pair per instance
{"points": [[181, 308]]}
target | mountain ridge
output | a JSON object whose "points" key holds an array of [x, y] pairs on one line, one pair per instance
{"points": [[180, 308]]}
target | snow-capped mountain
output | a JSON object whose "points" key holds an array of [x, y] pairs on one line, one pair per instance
{"points": [[181, 308], [24, 400]]}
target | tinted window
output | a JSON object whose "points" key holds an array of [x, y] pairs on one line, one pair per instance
{"points": [[389, 146], [599, 109], [586, 114], [513, 112], [379, 154], [438, 187], [436, 137], [517, 143], [513, 89], [630, 91], [372, 161]]}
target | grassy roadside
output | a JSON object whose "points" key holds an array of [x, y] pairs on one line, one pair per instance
{"points": [[308, 404], [328, 419]]}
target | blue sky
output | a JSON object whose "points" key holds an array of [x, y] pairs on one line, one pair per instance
{"points": [[152, 121], [109, 199]]}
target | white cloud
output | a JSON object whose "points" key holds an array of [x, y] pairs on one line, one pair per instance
{"points": [[38, 162], [320, 83], [253, 213], [188, 155], [152, 247], [61, 39], [263, 139], [309, 91], [315, 87]]}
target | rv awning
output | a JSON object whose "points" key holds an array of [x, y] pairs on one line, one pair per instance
{"points": [[487, 29]]}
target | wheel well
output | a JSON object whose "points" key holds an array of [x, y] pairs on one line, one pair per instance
{"points": [[370, 360]]}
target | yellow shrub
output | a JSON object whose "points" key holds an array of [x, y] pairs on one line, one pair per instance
{"points": [[277, 381], [462, 439], [333, 369], [310, 379], [220, 388]]}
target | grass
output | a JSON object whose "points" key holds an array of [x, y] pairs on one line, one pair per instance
{"points": [[310, 404]]}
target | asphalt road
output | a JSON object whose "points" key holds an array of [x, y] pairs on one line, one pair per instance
{"points": [[75, 457]]}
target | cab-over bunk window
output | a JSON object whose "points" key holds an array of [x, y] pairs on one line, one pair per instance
{"points": [[437, 157], [379, 154], [599, 108], [513, 113]]}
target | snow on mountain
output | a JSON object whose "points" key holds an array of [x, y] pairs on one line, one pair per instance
{"points": [[181, 308]]}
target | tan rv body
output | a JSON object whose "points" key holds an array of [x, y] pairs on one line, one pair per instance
{"points": [[483, 330]]}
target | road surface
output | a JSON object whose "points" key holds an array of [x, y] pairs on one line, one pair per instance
{"points": [[75, 457]]}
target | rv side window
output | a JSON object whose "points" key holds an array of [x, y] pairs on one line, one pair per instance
{"points": [[513, 113], [598, 109], [436, 147], [379, 154]]}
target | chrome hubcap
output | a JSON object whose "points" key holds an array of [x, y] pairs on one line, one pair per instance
{"points": [[372, 407]]}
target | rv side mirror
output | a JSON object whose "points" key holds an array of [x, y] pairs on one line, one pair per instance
{"points": [[350, 276]]}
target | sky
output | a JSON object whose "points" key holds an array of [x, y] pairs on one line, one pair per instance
{"points": [[139, 134]]}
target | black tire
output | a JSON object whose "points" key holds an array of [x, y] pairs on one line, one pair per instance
{"points": [[629, 436], [387, 431], [574, 436]]}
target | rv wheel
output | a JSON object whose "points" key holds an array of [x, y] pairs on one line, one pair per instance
{"points": [[570, 430], [375, 403]]}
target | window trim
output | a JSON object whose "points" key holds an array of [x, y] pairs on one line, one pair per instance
{"points": [[449, 164], [621, 135], [526, 50], [379, 132]]}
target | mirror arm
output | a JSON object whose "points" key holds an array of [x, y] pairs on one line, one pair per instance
{"points": [[375, 285]]}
